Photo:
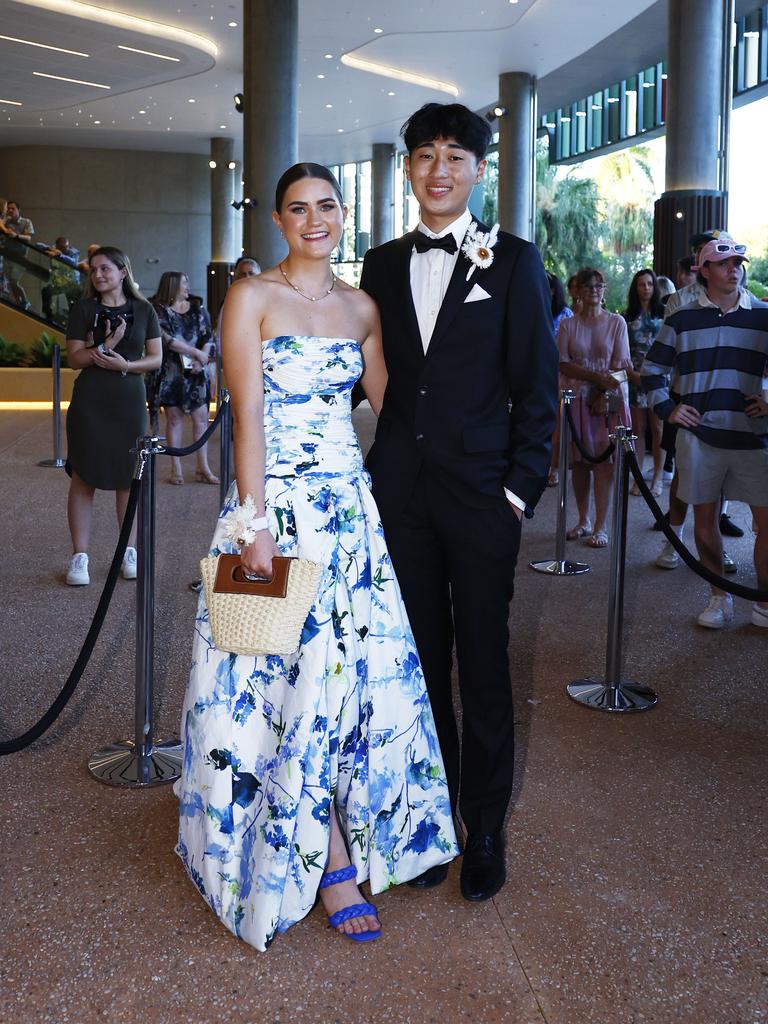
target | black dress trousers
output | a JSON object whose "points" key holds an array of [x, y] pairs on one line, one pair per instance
{"points": [[455, 564]]}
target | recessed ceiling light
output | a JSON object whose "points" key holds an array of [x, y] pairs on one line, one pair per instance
{"points": [[150, 53], [339, 129], [390, 93], [13, 103], [222, 126], [404, 76], [321, 76], [44, 46], [232, 24], [191, 100], [378, 31], [97, 122], [212, 164], [328, 56], [76, 81], [231, 165], [329, 106]]}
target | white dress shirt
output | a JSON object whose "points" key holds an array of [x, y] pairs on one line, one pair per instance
{"points": [[430, 274]]}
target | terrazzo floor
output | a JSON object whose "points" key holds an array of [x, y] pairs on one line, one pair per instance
{"points": [[636, 844]]}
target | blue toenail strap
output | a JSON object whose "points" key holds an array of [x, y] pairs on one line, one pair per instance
{"points": [[334, 877], [347, 913]]}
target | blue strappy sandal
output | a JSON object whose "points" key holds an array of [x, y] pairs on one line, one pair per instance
{"points": [[347, 913]]}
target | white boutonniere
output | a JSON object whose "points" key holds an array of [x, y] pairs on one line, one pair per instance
{"points": [[478, 247]]}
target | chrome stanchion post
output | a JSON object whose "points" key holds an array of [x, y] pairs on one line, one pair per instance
{"points": [[142, 761], [616, 694], [56, 462], [225, 447], [560, 565]]}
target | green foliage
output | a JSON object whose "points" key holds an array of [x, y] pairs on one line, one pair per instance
{"points": [[758, 289], [758, 269], [11, 354], [41, 353]]}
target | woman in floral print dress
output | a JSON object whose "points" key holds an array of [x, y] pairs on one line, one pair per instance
{"points": [[307, 774]]}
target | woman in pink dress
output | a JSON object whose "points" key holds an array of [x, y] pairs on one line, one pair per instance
{"points": [[592, 344]]}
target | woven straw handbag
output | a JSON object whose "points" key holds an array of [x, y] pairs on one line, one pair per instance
{"points": [[259, 616]]}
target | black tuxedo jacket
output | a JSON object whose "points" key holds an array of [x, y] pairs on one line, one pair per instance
{"points": [[479, 408]]}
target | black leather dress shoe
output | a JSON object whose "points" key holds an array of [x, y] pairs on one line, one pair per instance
{"points": [[728, 528], [482, 868], [430, 878]]}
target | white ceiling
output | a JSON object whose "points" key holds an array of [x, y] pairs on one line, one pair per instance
{"points": [[341, 113]]}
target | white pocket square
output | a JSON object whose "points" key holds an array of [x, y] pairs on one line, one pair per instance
{"points": [[476, 294]]}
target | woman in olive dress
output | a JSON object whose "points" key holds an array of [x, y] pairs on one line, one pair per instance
{"points": [[113, 338]]}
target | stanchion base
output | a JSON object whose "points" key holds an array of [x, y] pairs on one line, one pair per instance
{"points": [[553, 567], [626, 696], [52, 463], [120, 765]]}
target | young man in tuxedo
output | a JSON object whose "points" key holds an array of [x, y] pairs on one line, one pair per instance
{"points": [[461, 455]]}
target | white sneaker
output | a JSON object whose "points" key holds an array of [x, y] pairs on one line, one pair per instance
{"points": [[718, 612], [128, 568], [667, 558], [77, 576], [668, 475], [759, 616]]}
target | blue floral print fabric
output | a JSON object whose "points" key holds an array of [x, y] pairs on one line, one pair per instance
{"points": [[271, 742]]}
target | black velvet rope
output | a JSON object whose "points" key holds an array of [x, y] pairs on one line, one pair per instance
{"points": [[179, 452], [53, 712], [693, 563], [595, 459]]}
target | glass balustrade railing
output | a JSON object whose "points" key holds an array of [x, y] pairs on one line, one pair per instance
{"points": [[37, 283]]}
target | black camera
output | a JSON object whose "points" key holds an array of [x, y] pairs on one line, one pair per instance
{"points": [[109, 319]]}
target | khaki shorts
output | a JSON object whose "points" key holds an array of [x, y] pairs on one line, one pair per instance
{"points": [[705, 471]]}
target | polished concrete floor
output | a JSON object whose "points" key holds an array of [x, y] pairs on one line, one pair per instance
{"points": [[636, 844]]}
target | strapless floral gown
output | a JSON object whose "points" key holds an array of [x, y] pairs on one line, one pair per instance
{"points": [[270, 742]]}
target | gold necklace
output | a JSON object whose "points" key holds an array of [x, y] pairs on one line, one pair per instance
{"points": [[312, 298]]}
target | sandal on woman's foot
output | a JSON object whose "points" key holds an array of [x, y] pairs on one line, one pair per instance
{"points": [[657, 488], [634, 490], [176, 478], [348, 913], [553, 479], [599, 539], [205, 478], [577, 532]]}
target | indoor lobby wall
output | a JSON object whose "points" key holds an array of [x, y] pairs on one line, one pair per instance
{"points": [[154, 206]]}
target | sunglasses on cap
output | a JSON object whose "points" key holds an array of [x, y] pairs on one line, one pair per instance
{"points": [[729, 247]]}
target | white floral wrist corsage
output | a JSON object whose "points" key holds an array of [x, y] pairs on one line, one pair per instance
{"points": [[245, 522], [478, 247]]}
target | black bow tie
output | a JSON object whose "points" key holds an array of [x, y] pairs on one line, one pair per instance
{"points": [[423, 242]]}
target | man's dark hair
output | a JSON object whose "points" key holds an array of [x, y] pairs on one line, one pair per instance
{"points": [[447, 121], [700, 238], [558, 294], [685, 263]]}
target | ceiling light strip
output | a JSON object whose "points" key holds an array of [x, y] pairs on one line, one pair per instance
{"points": [[148, 53], [155, 29], [76, 81], [44, 46], [361, 64], [13, 103]]}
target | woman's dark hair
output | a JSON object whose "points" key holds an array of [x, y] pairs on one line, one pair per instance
{"points": [[587, 274], [121, 261], [558, 294], [168, 288], [634, 307], [305, 170], [447, 121]]}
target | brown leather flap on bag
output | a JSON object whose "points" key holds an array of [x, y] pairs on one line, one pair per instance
{"points": [[230, 578]]}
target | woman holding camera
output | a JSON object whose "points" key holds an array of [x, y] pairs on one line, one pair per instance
{"points": [[594, 349], [185, 386], [113, 337]]}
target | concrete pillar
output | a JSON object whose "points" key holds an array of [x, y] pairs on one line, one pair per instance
{"points": [[517, 142], [222, 221], [270, 137], [382, 192], [699, 92]]}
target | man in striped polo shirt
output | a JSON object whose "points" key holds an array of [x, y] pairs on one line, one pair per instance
{"points": [[717, 350]]}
